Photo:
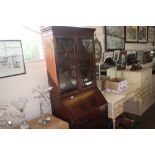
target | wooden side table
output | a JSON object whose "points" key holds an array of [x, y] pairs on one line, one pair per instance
{"points": [[55, 123]]}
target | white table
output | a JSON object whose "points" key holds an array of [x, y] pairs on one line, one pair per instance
{"points": [[116, 101]]}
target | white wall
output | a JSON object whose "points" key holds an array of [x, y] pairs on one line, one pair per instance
{"points": [[21, 86]]}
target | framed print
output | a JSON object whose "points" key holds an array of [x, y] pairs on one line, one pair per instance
{"points": [[140, 56], [114, 38], [131, 33], [116, 55], [113, 43], [11, 58], [108, 54], [131, 57], [121, 64], [108, 60], [151, 34], [142, 34], [117, 31]]}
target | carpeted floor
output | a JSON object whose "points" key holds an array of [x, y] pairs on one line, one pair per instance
{"points": [[148, 119]]}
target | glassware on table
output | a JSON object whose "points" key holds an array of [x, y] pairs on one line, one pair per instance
{"points": [[20, 104]]}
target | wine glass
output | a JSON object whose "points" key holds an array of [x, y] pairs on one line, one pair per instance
{"points": [[20, 104]]}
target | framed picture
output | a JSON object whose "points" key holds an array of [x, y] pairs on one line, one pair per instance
{"points": [[11, 58], [108, 54], [114, 38], [142, 34], [117, 31], [131, 33], [131, 57], [140, 56], [151, 34], [116, 55], [108, 60], [121, 64]]}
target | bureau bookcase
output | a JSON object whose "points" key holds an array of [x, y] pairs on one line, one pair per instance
{"points": [[70, 59]]}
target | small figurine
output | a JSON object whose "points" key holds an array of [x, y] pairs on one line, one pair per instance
{"points": [[135, 65]]}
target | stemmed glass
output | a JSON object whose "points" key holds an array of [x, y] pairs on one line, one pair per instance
{"points": [[20, 104]]}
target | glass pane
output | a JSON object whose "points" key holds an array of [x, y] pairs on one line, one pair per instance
{"points": [[86, 61], [66, 60]]}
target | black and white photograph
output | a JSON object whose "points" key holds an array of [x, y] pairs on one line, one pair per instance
{"points": [[114, 43], [108, 54], [142, 34], [116, 55], [151, 34], [11, 58], [131, 33], [114, 38], [140, 57], [117, 31]]}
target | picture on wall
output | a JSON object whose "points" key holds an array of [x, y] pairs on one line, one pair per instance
{"points": [[121, 64], [117, 31], [142, 34], [140, 57], [114, 38], [11, 58], [116, 55], [131, 33], [108, 54], [151, 34]]}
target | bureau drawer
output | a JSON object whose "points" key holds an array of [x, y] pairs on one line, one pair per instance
{"points": [[92, 119], [118, 105], [145, 90], [132, 94], [118, 111], [146, 98]]}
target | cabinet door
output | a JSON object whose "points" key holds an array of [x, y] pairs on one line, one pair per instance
{"points": [[86, 61], [66, 63]]}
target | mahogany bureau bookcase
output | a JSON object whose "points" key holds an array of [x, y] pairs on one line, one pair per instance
{"points": [[70, 59]]}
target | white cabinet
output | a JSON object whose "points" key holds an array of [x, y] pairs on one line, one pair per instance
{"points": [[141, 78]]}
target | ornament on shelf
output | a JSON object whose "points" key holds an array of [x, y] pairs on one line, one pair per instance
{"points": [[42, 96], [20, 104], [6, 117]]}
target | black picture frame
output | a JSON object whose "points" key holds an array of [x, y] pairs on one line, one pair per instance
{"points": [[142, 34], [131, 34], [151, 34], [11, 58], [114, 38]]}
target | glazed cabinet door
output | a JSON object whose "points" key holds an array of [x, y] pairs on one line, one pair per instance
{"points": [[66, 63], [86, 61]]}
